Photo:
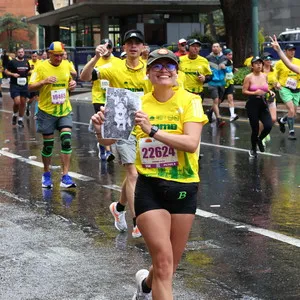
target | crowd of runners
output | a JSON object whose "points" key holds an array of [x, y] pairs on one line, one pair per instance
{"points": [[161, 196]]}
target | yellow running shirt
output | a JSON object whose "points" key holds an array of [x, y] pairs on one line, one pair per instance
{"points": [[98, 93], [192, 69], [120, 75], [285, 76], [54, 98], [170, 116], [33, 66]]}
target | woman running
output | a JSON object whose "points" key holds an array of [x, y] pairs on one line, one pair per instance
{"points": [[168, 132], [256, 87]]}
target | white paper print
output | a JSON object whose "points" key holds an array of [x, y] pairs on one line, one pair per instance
{"points": [[120, 107]]}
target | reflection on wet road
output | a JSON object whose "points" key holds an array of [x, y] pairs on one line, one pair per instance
{"points": [[245, 242]]}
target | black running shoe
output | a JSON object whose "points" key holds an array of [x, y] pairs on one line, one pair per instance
{"points": [[20, 123], [14, 120], [28, 113], [292, 136], [281, 125], [252, 154], [209, 115], [260, 145]]}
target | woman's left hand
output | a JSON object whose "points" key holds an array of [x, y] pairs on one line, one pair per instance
{"points": [[72, 85], [142, 120]]}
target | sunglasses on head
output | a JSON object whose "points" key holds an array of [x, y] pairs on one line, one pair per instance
{"points": [[169, 67]]}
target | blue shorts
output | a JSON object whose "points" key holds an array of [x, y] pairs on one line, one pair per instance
{"points": [[46, 124], [0, 80], [18, 91]]}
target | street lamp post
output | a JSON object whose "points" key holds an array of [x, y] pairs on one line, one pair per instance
{"points": [[255, 27]]}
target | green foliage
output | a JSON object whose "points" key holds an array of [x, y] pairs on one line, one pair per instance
{"points": [[8, 24], [203, 38], [261, 40], [240, 75]]}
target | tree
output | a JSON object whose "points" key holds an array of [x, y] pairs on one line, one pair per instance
{"points": [[9, 24], [237, 21]]}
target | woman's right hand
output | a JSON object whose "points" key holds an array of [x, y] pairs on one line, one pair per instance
{"points": [[274, 43]]}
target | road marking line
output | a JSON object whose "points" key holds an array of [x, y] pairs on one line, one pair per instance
{"points": [[265, 232], [41, 165], [238, 149]]}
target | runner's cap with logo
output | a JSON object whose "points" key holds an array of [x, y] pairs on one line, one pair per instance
{"points": [[161, 53], [193, 41], [106, 41], [56, 47], [134, 33], [182, 41], [256, 58], [289, 47]]}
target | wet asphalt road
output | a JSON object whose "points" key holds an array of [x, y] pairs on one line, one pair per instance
{"points": [[58, 244]]}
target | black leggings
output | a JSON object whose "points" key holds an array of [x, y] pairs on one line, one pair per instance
{"points": [[257, 110]]}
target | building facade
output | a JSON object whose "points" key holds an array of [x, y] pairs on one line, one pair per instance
{"points": [[20, 9]]}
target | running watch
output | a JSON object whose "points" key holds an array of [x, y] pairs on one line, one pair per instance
{"points": [[154, 129]]}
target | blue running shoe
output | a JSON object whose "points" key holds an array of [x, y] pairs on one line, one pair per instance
{"points": [[67, 182], [47, 181]]}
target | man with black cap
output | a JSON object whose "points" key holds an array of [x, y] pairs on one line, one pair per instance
{"points": [[99, 93], [290, 89], [195, 67], [130, 74]]}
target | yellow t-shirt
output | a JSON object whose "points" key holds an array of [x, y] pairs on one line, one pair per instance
{"points": [[284, 74], [98, 93], [192, 68], [247, 62], [121, 76], [1, 69], [33, 65], [53, 92], [170, 116], [272, 79]]}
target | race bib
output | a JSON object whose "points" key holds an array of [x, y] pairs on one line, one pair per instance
{"points": [[21, 80], [291, 83], [155, 154], [104, 84], [229, 76], [58, 96]]}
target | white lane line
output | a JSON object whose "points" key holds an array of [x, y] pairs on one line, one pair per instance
{"points": [[238, 149], [81, 123], [265, 232], [39, 164]]}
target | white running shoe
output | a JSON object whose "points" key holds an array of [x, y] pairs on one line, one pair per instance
{"points": [[139, 294], [120, 221], [136, 232]]}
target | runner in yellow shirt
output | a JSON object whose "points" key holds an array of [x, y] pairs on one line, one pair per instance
{"points": [[168, 132], [1, 76], [130, 74], [98, 94], [196, 68], [53, 79], [34, 63]]}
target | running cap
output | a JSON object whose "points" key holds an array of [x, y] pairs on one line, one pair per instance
{"points": [[123, 54], [182, 41], [193, 41], [106, 41], [256, 58], [267, 56], [134, 33], [161, 53], [56, 47], [227, 51], [289, 47]]}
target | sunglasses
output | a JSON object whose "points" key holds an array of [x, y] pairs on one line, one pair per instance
{"points": [[158, 67], [183, 44]]}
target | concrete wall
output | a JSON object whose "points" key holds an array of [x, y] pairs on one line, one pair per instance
{"points": [[277, 15], [176, 31]]}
